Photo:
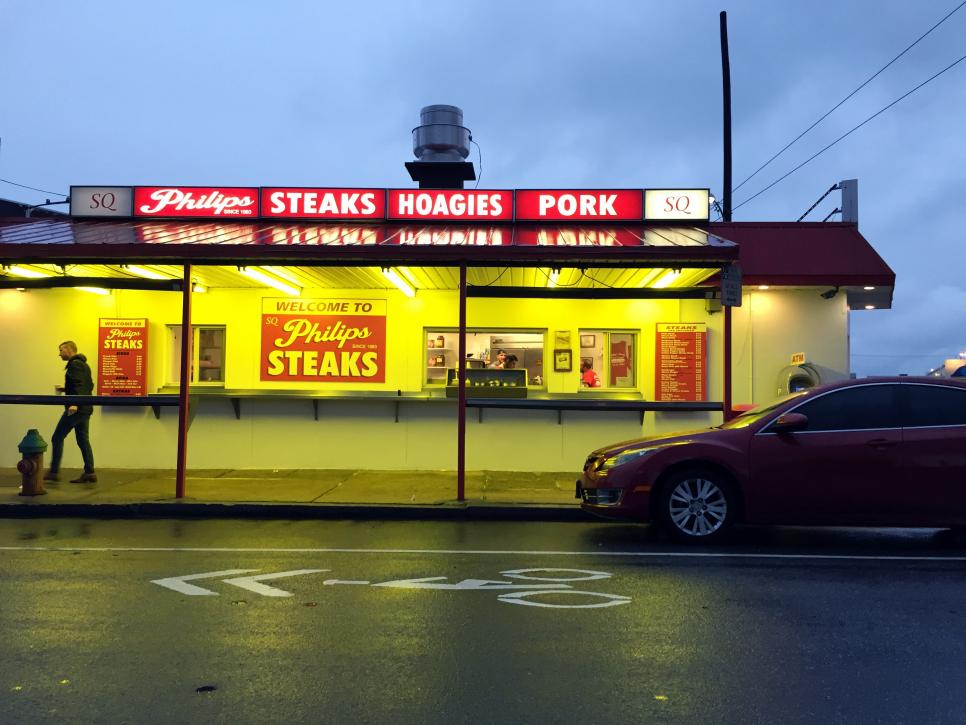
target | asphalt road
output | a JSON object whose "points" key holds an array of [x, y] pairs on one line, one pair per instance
{"points": [[478, 622]]}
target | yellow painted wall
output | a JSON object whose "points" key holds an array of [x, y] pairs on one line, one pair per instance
{"points": [[768, 328]]}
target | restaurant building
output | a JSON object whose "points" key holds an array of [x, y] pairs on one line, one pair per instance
{"points": [[325, 328]]}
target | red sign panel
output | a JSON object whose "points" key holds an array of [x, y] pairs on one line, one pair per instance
{"points": [[122, 357], [196, 202], [298, 203], [592, 205], [323, 340], [451, 204], [680, 353]]}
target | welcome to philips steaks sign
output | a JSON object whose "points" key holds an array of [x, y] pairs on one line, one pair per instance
{"points": [[429, 205]]}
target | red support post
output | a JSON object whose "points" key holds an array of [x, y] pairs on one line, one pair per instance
{"points": [[186, 341], [728, 412], [461, 406]]}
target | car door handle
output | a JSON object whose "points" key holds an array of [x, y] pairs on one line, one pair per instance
{"points": [[881, 443]]}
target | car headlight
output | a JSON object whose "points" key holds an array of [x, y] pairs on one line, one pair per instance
{"points": [[623, 457]]}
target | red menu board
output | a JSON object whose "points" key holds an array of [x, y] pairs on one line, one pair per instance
{"points": [[122, 357], [323, 340], [680, 357]]}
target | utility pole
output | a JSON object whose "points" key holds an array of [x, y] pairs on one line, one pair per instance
{"points": [[726, 109]]}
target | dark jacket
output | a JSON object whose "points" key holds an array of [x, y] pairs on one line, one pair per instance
{"points": [[78, 380]]}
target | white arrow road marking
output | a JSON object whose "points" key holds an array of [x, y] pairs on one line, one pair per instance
{"points": [[328, 582], [251, 583], [179, 583], [434, 582]]}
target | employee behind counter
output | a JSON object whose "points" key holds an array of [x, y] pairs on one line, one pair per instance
{"points": [[504, 361], [499, 362]]}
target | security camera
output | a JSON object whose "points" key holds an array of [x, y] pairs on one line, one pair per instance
{"points": [[829, 294]]}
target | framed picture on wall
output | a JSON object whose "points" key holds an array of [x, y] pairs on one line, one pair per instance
{"points": [[588, 340], [562, 361]]}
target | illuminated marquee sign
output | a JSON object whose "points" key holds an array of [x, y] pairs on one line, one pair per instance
{"points": [[677, 204], [579, 206], [199, 202], [298, 203], [451, 204], [591, 205]]}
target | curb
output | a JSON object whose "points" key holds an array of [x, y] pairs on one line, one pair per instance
{"points": [[398, 512]]}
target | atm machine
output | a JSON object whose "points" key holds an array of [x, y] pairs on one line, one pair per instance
{"points": [[794, 378]]}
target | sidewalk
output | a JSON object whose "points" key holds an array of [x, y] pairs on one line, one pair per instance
{"points": [[302, 493]]}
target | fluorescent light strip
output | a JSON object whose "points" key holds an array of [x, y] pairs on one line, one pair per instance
{"points": [[393, 276], [667, 279], [260, 276], [95, 290], [279, 272], [143, 272], [24, 272]]}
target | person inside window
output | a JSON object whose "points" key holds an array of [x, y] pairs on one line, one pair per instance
{"points": [[511, 361], [500, 361], [588, 376]]}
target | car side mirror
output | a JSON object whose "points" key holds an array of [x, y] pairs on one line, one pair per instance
{"points": [[790, 422]]}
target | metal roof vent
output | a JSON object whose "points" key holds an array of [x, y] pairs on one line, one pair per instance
{"points": [[441, 143]]}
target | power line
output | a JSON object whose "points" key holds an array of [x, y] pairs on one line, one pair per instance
{"points": [[864, 84], [32, 188], [856, 128], [808, 211]]}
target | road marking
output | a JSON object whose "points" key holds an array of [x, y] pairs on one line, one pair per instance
{"points": [[433, 582], [328, 582], [585, 575], [179, 583], [253, 583], [487, 552], [609, 600]]}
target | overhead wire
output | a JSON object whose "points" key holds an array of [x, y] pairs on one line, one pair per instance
{"points": [[33, 188], [859, 88], [851, 131]]}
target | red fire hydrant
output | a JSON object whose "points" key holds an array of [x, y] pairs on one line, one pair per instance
{"points": [[31, 466]]}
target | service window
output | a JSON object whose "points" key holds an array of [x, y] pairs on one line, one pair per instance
{"points": [[611, 356], [865, 407], [929, 406], [207, 353], [485, 348]]}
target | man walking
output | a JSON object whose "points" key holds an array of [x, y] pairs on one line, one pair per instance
{"points": [[77, 381]]}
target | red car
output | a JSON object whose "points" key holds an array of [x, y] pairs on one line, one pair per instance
{"points": [[870, 452]]}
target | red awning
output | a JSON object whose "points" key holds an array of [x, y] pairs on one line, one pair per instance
{"points": [[806, 254]]}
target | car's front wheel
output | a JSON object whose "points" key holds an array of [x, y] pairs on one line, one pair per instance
{"points": [[697, 505]]}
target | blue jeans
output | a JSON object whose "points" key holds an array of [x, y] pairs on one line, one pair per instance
{"points": [[80, 423]]}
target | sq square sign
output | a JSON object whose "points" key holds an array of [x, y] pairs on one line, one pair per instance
{"points": [[677, 205]]}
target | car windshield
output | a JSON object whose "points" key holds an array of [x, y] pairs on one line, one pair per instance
{"points": [[756, 414]]}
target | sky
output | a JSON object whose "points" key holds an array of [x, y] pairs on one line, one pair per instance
{"points": [[557, 94]]}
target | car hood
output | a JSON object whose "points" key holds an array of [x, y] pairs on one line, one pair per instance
{"points": [[655, 440]]}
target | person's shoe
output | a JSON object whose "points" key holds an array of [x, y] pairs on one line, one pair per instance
{"points": [[85, 478], [51, 476]]}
